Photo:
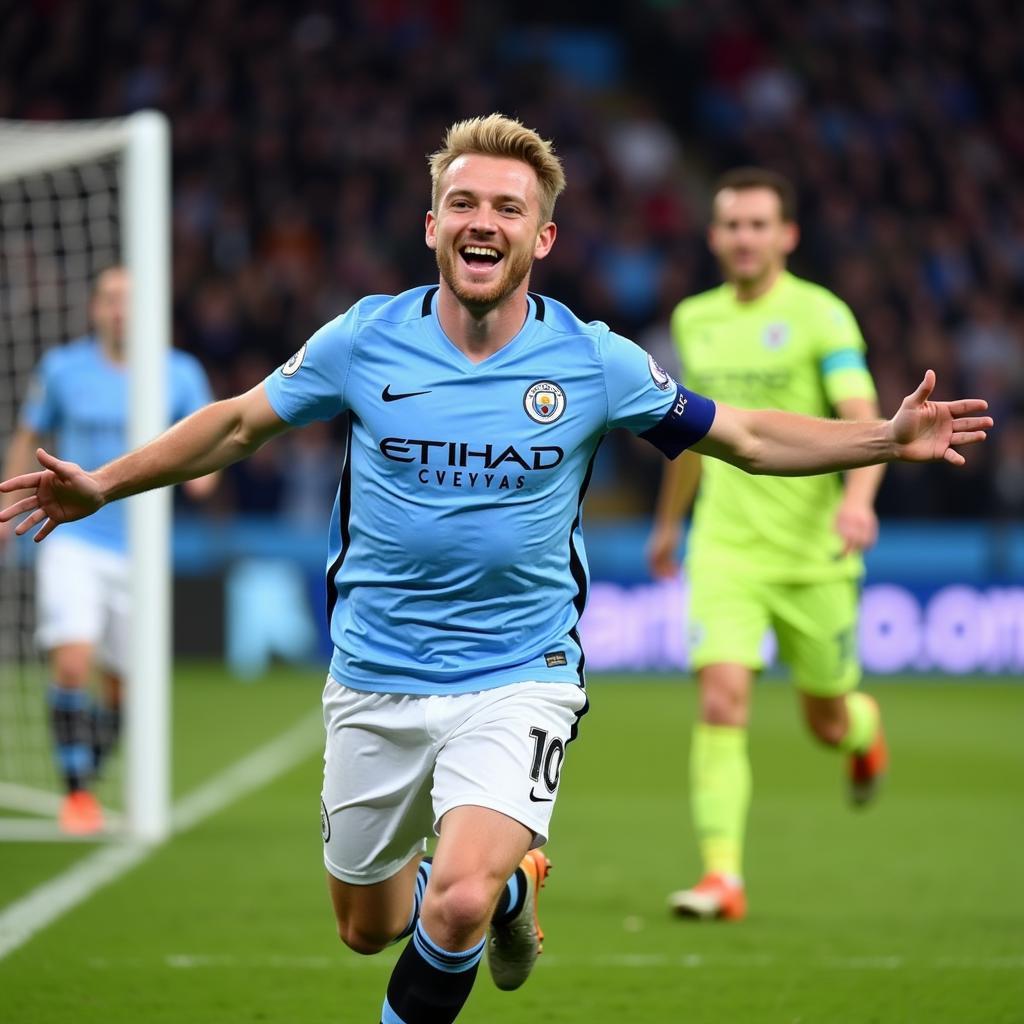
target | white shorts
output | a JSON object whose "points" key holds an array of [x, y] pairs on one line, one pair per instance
{"points": [[396, 763], [82, 596]]}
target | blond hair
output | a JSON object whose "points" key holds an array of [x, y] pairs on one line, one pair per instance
{"points": [[497, 135]]}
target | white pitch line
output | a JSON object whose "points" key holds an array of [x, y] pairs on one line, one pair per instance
{"points": [[29, 799], [34, 830], [44, 904], [624, 961], [252, 772], [44, 830], [51, 900]]}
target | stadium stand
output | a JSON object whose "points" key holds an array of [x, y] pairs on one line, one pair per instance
{"points": [[300, 133]]}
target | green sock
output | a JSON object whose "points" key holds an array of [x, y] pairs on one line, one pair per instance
{"points": [[720, 795], [862, 712]]}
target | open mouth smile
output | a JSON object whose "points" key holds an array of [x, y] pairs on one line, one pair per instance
{"points": [[480, 257]]}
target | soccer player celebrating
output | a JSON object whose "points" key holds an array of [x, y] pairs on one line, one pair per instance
{"points": [[456, 569], [79, 394], [766, 550]]}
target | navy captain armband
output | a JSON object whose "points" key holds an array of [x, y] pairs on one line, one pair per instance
{"points": [[688, 419]]}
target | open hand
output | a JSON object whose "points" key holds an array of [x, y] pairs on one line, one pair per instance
{"points": [[61, 493], [927, 431]]}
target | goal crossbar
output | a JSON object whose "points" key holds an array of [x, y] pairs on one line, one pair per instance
{"points": [[30, 147]]}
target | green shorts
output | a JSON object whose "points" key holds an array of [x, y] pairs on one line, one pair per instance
{"points": [[815, 625]]}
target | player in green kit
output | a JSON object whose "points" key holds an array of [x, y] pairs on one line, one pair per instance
{"points": [[767, 551]]}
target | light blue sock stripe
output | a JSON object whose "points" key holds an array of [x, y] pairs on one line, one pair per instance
{"points": [[442, 959], [422, 877], [513, 890], [437, 950], [69, 698], [75, 759], [388, 1016], [445, 967]]}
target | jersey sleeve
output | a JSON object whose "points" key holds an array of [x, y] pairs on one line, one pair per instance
{"points": [[40, 411], [191, 387], [311, 385], [841, 353], [645, 399]]}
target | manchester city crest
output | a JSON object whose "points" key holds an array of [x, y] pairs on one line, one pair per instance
{"points": [[544, 401], [775, 335]]}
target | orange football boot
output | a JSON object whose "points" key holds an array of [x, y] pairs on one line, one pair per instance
{"points": [[714, 897], [513, 947], [80, 814], [867, 770]]}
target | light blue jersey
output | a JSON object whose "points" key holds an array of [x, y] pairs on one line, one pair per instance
{"points": [[81, 397], [456, 558]]}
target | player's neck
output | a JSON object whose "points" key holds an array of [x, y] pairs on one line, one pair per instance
{"points": [[748, 291], [478, 334], [113, 350]]}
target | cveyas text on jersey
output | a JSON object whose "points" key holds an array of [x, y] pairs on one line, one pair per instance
{"points": [[468, 463]]}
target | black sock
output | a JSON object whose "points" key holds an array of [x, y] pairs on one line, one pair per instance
{"points": [[422, 877], [512, 897], [429, 985], [106, 730], [71, 722]]}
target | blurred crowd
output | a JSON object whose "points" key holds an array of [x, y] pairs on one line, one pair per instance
{"points": [[300, 182]]}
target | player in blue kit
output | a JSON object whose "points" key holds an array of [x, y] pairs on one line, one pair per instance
{"points": [[456, 575], [80, 396]]}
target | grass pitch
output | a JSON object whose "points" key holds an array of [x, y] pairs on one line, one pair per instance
{"points": [[912, 910]]}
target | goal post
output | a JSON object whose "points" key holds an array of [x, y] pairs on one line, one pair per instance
{"points": [[75, 197], [147, 247]]}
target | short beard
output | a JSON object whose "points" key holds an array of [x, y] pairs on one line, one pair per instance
{"points": [[515, 272]]}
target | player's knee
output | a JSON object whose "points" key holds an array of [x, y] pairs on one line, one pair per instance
{"points": [[362, 940], [464, 905], [723, 705], [725, 695], [72, 672], [829, 730]]}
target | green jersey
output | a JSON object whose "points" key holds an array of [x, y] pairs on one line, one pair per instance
{"points": [[797, 348]]}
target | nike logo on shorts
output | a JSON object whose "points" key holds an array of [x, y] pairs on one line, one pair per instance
{"points": [[389, 397], [540, 799]]}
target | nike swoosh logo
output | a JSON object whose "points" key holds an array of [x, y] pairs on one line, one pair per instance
{"points": [[389, 397], [540, 799]]}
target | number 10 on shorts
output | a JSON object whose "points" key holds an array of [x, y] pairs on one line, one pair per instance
{"points": [[547, 759]]}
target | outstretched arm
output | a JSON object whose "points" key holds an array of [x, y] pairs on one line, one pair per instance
{"points": [[786, 444], [208, 440]]}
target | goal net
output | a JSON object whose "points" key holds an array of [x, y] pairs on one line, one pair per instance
{"points": [[76, 198]]}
